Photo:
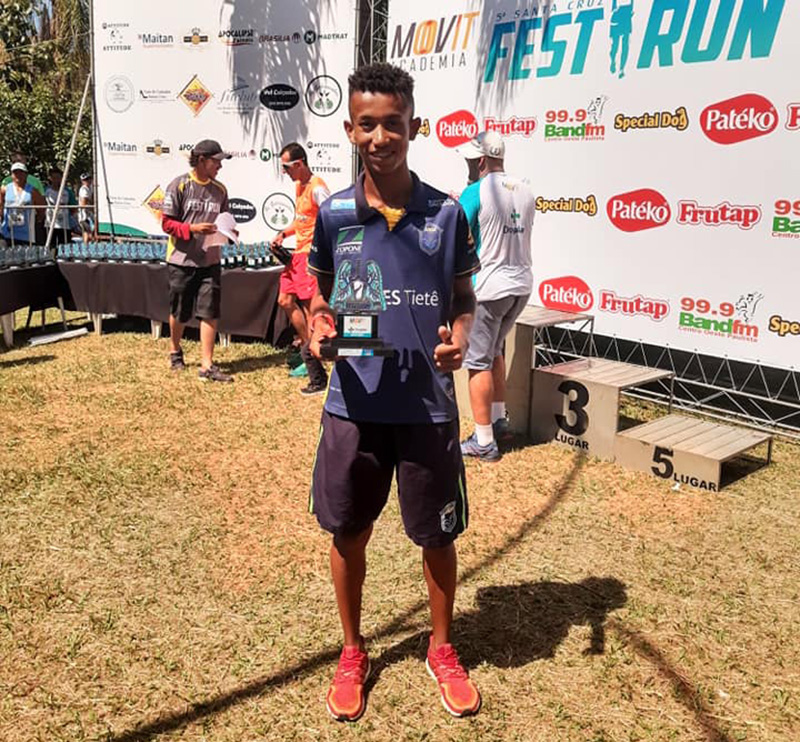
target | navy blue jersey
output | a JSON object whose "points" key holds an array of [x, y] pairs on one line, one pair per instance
{"points": [[407, 275]]}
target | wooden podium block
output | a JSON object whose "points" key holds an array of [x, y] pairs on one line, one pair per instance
{"points": [[576, 403], [685, 450]]}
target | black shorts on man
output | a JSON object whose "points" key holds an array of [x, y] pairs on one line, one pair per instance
{"points": [[194, 292], [353, 473]]}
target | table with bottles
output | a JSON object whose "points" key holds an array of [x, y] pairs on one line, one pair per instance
{"points": [[29, 277], [130, 278]]}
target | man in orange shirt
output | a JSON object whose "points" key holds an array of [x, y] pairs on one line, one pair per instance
{"points": [[298, 286]]}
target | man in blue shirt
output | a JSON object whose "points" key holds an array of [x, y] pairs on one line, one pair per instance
{"points": [[403, 247]]}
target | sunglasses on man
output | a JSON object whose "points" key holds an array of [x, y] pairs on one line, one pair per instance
{"points": [[287, 165]]}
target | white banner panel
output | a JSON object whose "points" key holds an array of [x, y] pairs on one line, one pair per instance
{"points": [[253, 76], [661, 137]]}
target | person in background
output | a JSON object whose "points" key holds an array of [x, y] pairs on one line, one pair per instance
{"points": [[500, 210], [86, 219], [298, 286], [62, 232], [19, 224], [32, 179], [191, 205]]}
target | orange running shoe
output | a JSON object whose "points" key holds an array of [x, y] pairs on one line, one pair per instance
{"points": [[460, 695], [346, 701]]}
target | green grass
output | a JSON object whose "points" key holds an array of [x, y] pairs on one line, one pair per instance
{"points": [[161, 579]]}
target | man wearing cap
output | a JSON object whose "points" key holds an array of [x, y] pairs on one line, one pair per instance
{"points": [[86, 203], [16, 199], [191, 205], [32, 179], [500, 209]]}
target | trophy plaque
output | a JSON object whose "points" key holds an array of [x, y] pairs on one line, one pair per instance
{"points": [[358, 300]]}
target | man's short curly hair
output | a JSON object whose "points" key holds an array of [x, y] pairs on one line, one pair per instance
{"points": [[383, 78]]}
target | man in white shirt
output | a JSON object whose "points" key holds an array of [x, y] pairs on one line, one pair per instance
{"points": [[86, 203], [500, 210]]}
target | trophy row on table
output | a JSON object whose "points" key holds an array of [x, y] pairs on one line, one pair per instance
{"points": [[254, 256]]}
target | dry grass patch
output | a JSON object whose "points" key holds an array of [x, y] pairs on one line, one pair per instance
{"points": [[161, 579]]}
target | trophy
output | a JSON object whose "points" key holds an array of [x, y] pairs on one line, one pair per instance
{"points": [[357, 299]]}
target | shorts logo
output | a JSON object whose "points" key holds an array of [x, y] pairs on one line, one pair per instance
{"points": [[430, 238], [447, 517]]}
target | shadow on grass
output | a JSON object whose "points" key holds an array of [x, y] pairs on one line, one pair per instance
{"points": [[683, 689], [32, 361], [740, 467], [172, 721], [518, 624], [254, 363]]}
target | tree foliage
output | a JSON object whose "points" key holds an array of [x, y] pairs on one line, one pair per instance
{"points": [[44, 61]]}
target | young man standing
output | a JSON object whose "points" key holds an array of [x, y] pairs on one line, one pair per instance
{"points": [[297, 285], [191, 205], [500, 210], [407, 247]]}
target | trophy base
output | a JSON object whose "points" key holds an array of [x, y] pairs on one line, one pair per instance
{"points": [[333, 350]]}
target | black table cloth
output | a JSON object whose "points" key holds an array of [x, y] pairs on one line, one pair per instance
{"points": [[37, 286], [249, 297]]}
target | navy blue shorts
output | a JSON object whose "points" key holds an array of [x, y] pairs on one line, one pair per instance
{"points": [[353, 473]]}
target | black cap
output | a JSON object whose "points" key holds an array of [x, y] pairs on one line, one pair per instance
{"points": [[84, 176], [210, 148]]}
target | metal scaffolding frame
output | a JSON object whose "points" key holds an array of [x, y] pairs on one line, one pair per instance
{"points": [[749, 393], [373, 22]]}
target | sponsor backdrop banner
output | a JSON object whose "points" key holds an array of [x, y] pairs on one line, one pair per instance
{"points": [[253, 76], [661, 138]]}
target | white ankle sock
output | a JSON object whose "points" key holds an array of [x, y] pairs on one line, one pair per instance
{"points": [[484, 434], [498, 411]]}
